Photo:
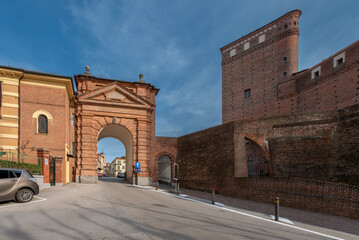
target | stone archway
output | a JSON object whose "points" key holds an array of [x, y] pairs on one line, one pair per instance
{"points": [[119, 109], [124, 135]]}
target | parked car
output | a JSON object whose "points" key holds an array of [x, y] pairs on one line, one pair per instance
{"points": [[104, 175], [99, 174], [17, 184], [121, 175]]}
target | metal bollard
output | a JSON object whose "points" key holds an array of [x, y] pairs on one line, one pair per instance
{"points": [[213, 196], [177, 188], [276, 209], [156, 185]]}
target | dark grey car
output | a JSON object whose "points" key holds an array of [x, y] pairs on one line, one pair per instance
{"points": [[17, 184]]}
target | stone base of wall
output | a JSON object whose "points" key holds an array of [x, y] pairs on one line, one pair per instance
{"points": [[143, 181], [86, 179], [313, 195]]}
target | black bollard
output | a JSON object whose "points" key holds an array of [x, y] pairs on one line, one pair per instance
{"points": [[156, 183], [213, 196], [277, 209]]}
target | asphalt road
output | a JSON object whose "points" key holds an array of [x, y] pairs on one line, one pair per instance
{"points": [[117, 210]]}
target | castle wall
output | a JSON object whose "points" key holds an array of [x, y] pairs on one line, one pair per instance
{"points": [[307, 154]]}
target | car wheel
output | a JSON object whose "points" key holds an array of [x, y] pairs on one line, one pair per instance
{"points": [[24, 195]]}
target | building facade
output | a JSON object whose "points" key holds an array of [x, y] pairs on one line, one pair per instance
{"points": [[101, 162], [118, 165]]}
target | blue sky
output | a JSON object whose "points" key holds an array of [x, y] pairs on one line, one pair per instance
{"points": [[175, 44]]}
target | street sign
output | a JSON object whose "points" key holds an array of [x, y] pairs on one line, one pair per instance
{"points": [[137, 165], [137, 170]]}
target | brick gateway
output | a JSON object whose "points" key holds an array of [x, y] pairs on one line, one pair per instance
{"points": [[118, 109]]}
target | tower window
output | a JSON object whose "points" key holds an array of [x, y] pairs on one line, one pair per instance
{"points": [[247, 93], [262, 38], [316, 72], [339, 60]]}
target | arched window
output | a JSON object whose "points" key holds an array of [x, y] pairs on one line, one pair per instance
{"points": [[42, 124]]}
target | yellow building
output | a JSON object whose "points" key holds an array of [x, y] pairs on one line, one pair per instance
{"points": [[9, 108], [118, 166], [101, 161]]}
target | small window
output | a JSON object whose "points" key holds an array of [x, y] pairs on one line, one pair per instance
{"points": [[42, 124], [123, 167], [339, 59], [73, 118], [285, 74], [261, 38], [247, 93], [316, 72], [285, 59]]}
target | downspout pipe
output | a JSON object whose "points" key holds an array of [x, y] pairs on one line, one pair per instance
{"points": [[19, 103]]}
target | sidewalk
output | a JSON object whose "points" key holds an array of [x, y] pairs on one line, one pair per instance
{"points": [[337, 223]]}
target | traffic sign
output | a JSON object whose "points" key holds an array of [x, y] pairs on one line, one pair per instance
{"points": [[137, 164], [137, 170]]}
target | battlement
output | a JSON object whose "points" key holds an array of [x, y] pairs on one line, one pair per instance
{"points": [[276, 30]]}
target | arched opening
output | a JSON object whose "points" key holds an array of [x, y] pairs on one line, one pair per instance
{"points": [[164, 169], [121, 133], [256, 162], [111, 158]]}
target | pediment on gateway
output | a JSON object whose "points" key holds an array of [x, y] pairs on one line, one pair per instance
{"points": [[115, 94]]}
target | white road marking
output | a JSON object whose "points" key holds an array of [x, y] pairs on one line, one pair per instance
{"points": [[286, 220], [253, 216], [21, 204]]}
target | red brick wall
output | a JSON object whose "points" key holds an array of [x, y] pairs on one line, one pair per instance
{"points": [[308, 157], [207, 155], [346, 163], [52, 100], [309, 154]]}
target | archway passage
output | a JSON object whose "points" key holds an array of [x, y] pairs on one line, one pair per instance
{"points": [[164, 169], [121, 133], [256, 163]]}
